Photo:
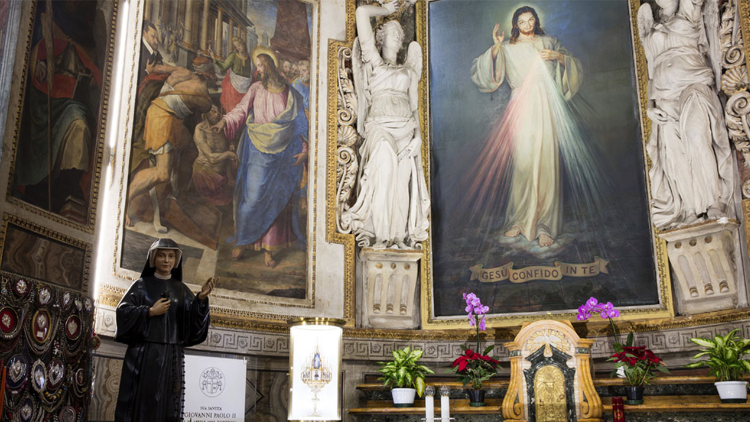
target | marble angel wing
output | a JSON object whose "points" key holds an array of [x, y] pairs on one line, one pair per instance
{"points": [[360, 72], [645, 20], [645, 23], [711, 23], [414, 58]]}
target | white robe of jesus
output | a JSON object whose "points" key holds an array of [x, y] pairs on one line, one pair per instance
{"points": [[537, 123]]}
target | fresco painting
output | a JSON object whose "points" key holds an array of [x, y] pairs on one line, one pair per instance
{"points": [[60, 128], [220, 146]]}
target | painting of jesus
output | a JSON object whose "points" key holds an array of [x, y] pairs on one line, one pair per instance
{"points": [[537, 126], [538, 178]]}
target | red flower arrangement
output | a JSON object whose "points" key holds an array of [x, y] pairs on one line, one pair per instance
{"points": [[639, 363], [475, 368]]}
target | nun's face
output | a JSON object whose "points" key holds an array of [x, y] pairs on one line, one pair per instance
{"points": [[164, 260]]}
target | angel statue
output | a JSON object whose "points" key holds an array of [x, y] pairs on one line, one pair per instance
{"points": [[692, 172], [392, 199]]}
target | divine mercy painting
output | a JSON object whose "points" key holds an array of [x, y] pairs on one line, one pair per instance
{"points": [[219, 152], [538, 173]]}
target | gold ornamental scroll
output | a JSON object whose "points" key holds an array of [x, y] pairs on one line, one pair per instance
{"points": [[553, 273]]}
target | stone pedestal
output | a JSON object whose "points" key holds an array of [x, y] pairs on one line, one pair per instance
{"points": [[389, 289], [703, 264]]}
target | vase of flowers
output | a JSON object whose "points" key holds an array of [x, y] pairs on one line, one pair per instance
{"points": [[474, 367], [637, 364], [640, 366]]}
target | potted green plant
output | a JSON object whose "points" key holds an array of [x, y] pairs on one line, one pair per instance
{"points": [[405, 376], [639, 365], [727, 363]]}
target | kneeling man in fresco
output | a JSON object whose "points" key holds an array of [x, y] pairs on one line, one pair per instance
{"points": [[183, 93], [272, 152], [216, 165]]}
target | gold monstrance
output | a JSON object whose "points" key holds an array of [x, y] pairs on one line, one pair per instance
{"points": [[316, 375]]}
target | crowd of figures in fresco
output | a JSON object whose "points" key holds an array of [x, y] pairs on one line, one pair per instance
{"points": [[220, 137]]}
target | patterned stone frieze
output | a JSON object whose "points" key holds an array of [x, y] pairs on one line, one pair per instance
{"points": [[257, 343]]}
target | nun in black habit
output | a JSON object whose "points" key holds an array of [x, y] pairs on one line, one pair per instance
{"points": [[157, 318]]}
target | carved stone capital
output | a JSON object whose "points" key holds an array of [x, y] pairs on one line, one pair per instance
{"points": [[389, 289], [702, 258]]}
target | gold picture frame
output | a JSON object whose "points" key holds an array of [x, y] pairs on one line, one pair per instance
{"points": [[45, 234], [97, 136], [663, 311], [240, 315]]}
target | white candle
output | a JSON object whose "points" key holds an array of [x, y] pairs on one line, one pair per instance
{"points": [[445, 406], [429, 404]]}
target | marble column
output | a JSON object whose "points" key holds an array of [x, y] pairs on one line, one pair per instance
{"points": [[187, 36], [147, 10], [231, 33], [204, 26]]}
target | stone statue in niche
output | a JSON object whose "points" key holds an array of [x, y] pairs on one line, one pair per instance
{"points": [[392, 199], [692, 172]]}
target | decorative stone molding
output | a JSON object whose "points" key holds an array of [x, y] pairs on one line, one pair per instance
{"points": [[389, 289], [702, 258], [732, 48], [347, 161], [272, 344], [734, 83]]}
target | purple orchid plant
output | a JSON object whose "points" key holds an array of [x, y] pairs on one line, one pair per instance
{"points": [[475, 311], [471, 367], [605, 310]]}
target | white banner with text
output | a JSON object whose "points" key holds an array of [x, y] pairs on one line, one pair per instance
{"points": [[214, 389]]}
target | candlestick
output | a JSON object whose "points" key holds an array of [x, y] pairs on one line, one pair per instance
{"points": [[429, 404], [618, 410], [445, 406]]}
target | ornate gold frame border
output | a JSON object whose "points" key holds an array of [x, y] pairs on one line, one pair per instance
{"points": [[53, 235], [743, 7], [110, 295], [664, 310], [103, 111], [589, 329], [332, 235]]}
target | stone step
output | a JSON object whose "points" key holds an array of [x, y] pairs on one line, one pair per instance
{"points": [[606, 387], [690, 398], [654, 408]]}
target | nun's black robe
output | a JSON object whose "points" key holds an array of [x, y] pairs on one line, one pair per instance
{"points": [[152, 385]]}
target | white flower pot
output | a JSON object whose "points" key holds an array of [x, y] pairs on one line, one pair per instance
{"points": [[732, 391], [403, 397]]}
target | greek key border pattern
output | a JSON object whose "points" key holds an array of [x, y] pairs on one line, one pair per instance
{"points": [[258, 343]]}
